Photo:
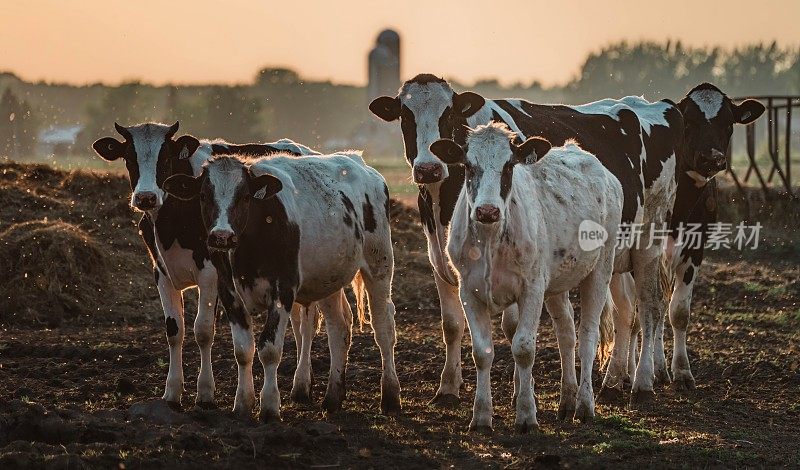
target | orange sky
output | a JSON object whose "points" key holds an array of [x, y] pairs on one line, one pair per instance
{"points": [[202, 41]]}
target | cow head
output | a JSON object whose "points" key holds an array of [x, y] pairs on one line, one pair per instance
{"points": [[150, 154], [225, 188], [428, 110], [489, 163], [709, 116]]}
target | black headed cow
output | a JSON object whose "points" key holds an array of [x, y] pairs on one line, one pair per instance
{"points": [[708, 116], [173, 233], [638, 141]]}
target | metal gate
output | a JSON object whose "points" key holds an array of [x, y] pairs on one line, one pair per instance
{"points": [[776, 172]]}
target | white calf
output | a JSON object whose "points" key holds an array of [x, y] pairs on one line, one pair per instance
{"points": [[515, 239]]}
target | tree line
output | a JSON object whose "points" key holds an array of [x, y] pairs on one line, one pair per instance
{"points": [[280, 103]]}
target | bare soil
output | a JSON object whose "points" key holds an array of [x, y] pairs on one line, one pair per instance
{"points": [[80, 387]]}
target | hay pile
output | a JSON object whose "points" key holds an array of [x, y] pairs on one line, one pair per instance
{"points": [[50, 271]]}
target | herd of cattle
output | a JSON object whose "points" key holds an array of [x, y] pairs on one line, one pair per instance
{"points": [[277, 231]]}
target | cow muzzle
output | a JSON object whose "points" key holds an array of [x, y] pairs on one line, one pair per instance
{"points": [[428, 173], [714, 162], [487, 214], [145, 201], [222, 239]]}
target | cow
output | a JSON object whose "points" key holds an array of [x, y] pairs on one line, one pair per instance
{"points": [[297, 230], [173, 234], [515, 239], [708, 116], [638, 141]]}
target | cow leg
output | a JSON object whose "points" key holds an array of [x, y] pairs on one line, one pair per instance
{"points": [[296, 321], [633, 356], [594, 294], [172, 303], [339, 326], [563, 317], [651, 305], [270, 351], [509, 325], [303, 374], [679, 310], [244, 345], [479, 319], [453, 332], [624, 294], [204, 325], [523, 347], [659, 357], [378, 285]]}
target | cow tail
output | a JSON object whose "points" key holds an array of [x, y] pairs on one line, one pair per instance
{"points": [[361, 301], [606, 344], [318, 316]]}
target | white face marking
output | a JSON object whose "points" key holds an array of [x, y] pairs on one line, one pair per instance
{"points": [[147, 142], [427, 102], [488, 151], [225, 180], [709, 102]]}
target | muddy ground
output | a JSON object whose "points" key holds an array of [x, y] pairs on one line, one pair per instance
{"points": [[79, 383]]}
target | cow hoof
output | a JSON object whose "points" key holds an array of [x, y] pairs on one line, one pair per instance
{"points": [[627, 384], [525, 428], [642, 399], [584, 414], [566, 412], [445, 400], [390, 405], [206, 405], [175, 405], [301, 396], [331, 404], [267, 417], [683, 384], [611, 396], [662, 377], [480, 428]]}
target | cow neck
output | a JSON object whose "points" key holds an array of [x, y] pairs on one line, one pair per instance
{"points": [[688, 198], [181, 221]]}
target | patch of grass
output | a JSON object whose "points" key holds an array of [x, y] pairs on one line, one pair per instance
{"points": [[753, 287], [625, 425]]}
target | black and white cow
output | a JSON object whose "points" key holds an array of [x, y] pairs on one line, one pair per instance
{"points": [[709, 116], [638, 141], [174, 235], [297, 230], [515, 239]]}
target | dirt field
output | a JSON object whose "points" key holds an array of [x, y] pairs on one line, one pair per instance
{"points": [[83, 362]]}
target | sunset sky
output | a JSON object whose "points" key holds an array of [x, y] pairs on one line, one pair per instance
{"points": [[203, 41]]}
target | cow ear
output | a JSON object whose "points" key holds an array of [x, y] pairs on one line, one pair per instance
{"points": [[386, 108], [184, 187], [109, 148], [185, 146], [263, 186], [468, 103], [748, 111], [448, 151], [531, 150]]}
